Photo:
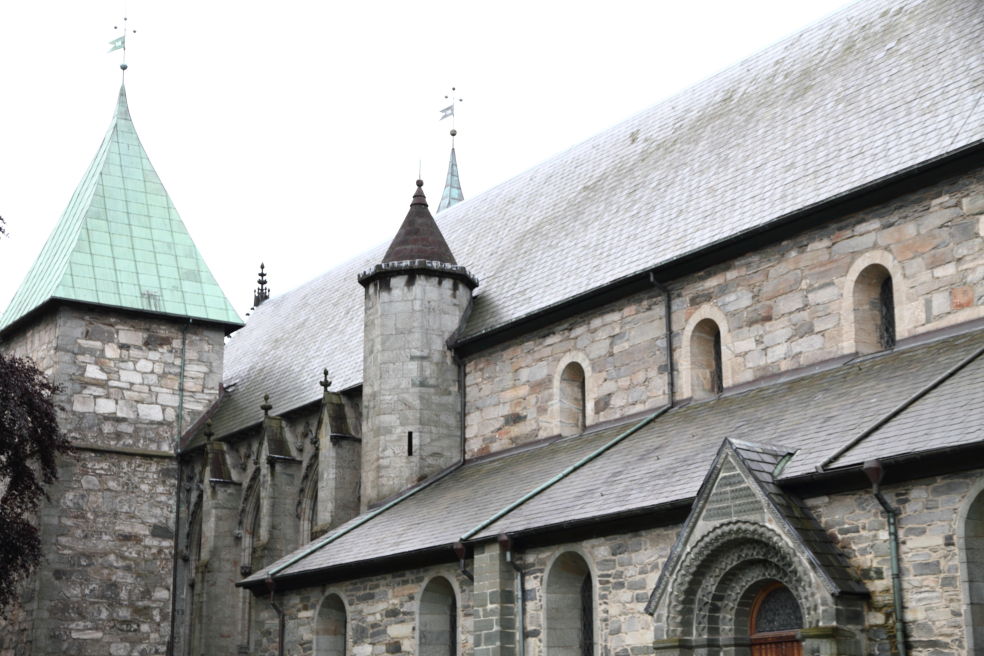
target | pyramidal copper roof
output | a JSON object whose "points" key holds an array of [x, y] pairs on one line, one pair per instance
{"points": [[121, 243], [419, 238]]}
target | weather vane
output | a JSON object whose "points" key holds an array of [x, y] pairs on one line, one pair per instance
{"points": [[449, 111], [119, 43]]}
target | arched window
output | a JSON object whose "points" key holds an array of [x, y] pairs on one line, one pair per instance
{"points": [[307, 510], [570, 608], [706, 365], [874, 310], [775, 620], [571, 408], [330, 627], [972, 566], [249, 531], [438, 621]]}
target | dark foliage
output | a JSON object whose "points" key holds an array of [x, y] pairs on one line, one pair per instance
{"points": [[29, 443]]}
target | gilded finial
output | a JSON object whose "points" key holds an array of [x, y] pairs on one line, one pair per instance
{"points": [[262, 292], [326, 383], [266, 407], [209, 433]]}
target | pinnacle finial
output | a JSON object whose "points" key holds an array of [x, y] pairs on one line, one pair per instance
{"points": [[119, 43], [326, 383], [209, 433], [262, 292], [266, 407]]}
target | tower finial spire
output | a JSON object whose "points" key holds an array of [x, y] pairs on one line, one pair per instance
{"points": [[119, 43], [452, 185], [262, 292]]}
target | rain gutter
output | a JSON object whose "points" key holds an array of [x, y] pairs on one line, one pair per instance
{"points": [[899, 409], [564, 474], [177, 488], [668, 329]]}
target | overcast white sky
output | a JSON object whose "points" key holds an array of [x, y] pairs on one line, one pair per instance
{"points": [[290, 132]]}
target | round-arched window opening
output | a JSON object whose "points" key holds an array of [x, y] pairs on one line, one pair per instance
{"points": [[776, 619]]}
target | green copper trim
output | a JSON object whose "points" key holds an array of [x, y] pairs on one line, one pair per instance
{"points": [[452, 186], [121, 243]]}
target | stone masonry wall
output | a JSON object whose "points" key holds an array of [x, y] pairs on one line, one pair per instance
{"points": [[779, 308], [108, 530], [381, 613], [624, 567], [120, 376], [929, 526]]}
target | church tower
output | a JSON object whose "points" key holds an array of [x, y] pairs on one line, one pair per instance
{"points": [[121, 312], [415, 300]]}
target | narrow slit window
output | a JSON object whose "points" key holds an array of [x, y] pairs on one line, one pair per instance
{"points": [[409, 443]]}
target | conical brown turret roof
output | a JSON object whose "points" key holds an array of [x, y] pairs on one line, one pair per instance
{"points": [[419, 238]]}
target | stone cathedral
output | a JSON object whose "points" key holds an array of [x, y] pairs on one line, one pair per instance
{"points": [[709, 383]]}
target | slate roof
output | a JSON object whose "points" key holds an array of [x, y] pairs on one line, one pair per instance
{"points": [[121, 243], [875, 89], [812, 415]]}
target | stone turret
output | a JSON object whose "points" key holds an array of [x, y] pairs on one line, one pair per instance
{"points": [[415, 300]]}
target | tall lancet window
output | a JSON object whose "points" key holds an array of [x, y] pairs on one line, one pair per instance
{"points": [[571, 402]]}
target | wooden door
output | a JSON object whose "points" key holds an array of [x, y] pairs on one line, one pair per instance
{"points": [[776, 621]]}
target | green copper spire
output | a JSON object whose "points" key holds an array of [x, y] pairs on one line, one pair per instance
{"points": [[121, 243], [452, 187]]}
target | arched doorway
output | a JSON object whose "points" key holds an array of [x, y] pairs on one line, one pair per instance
{"points": [[775, 621]]}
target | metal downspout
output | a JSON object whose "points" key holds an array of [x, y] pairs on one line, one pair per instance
{"points": [[281, 619], [668, 329], [519, 585], [177, 490], [875, 472], [564, 474]]}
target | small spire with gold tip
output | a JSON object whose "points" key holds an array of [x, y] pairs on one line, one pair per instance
{"points": [[266, 407], [452, 185], [262, 292]]}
